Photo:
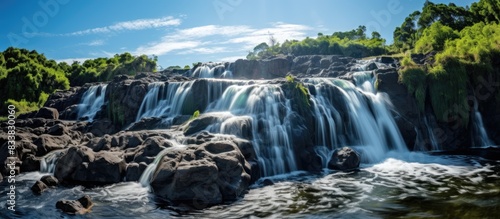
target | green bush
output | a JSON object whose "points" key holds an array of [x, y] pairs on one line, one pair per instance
{"points": [[415, 80]]}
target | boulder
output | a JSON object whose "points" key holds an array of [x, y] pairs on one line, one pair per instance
{"points": [[134, 171], [39, 187], [50, 181], [47, 113], [344, 159], [57, 129], [201, 175], [30, 163], [81, 165], [81, 206]]}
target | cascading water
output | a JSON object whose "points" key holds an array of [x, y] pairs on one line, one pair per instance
{"points": [[432, 138], [482, 138], [49, 161], [164, 99], [368, 125], [212, 70], [147, 175], [92, 101], [268, 111]]}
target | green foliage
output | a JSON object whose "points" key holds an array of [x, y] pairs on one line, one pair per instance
{"points": [[298, 90], [352, 43], [434, 38], [448, 91], [104, 69], [195, 115], [28, 78], [22, 106], [414, 77], [186, 67]]}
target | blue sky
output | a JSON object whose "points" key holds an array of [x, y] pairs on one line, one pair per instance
{"points": [[181, 32]]}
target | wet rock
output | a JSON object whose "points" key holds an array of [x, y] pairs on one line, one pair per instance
{"points": [[58, 129], [344, 159], [39, 187], [201, 175], [47, 113], [30, 163], [83, 166], [80, 206], [134, 171], [50, 181]]}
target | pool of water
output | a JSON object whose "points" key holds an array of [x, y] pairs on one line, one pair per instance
{"points": [[411, 185]]}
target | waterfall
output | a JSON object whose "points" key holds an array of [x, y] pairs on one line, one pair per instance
{"points": [[345, 115], [164, 99], [49, 161], [434, 143], [212, 70], [266, 107], [481, 136], [147, 175], [365, 122], [92, 101]]}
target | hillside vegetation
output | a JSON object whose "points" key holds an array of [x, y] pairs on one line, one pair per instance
{"points": [[27, 78]]}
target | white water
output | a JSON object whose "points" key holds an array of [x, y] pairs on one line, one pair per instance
{"points": [[164, 99], [268, 111], [92, 101], [370, 126], [432, 138], [49, 161], [147, 175], [482, 138], [212, 70]]}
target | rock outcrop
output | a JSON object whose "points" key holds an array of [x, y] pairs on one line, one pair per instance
{"points": [[202, 175], [344, 159]]}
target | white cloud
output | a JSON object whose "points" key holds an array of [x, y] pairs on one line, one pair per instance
{"points": [[231, 58], [139, 24], [95, 43], [163, 47], [204, 50], [212, 39]]}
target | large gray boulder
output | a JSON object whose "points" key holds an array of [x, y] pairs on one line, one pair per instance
{"points": [[202, 175], [81, 165]]}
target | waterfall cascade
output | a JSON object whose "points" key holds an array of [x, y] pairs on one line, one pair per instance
{"points": [[49, 161], [213, 70], [345, 115], [92, 101], [481, 136]]}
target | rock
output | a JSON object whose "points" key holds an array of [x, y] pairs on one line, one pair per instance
{"points": [[50, 181], [83, 166], [80, 206], [30, 163], [58, 129], [47, 113], [39, 187], [371, 66], [385, 59], [201, 175], [134, 171], [63, 99], [124, 100], [70, 113], [150, 148], [344, 159], [101, 127], [267, 182]]}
